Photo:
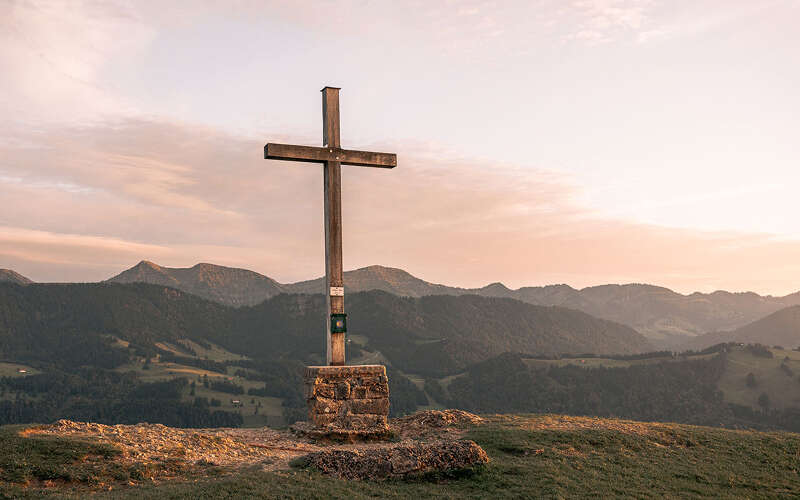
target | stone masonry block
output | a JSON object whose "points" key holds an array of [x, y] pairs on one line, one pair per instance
{"points": [[319, 420], [350, 399], [326, 406], [378, 391], [362, 422], [325, 391], [342, 390], [369, 406]]}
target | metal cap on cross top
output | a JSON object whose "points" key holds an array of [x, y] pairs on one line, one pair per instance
{"points": [[332, 156]]}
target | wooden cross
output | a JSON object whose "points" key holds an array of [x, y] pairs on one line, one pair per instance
{"points": [[333, 157]]}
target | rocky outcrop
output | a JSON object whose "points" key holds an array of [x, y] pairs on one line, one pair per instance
{"points": [[427, 442], [398, 461], [437, 422]]}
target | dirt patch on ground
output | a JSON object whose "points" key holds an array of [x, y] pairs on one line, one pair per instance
{"points": [[147, 443], [274, 450]]}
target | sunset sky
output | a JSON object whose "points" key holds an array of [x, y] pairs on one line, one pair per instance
{"points": [[539, 142]]}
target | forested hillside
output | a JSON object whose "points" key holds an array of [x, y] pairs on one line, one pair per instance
{"points": [[779, 328], [654, 311], [123, 353], [698, 389], [70, 322], [433, 335], [78, 332]]}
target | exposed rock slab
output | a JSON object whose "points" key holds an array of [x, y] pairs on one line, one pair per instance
{"points": [[400, 460], [434, 421], [431, 442]]}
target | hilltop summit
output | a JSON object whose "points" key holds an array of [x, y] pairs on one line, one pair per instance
{"points": [[7, 275], [227, 285], [388, 279]]}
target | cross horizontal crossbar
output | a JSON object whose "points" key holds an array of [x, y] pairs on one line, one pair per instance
{"points": [[313, 154]]}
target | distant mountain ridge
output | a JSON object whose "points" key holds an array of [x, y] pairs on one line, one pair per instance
{"points": [[779, 328], [7, 275], [656, 312], [387, 279], [226, 285]]}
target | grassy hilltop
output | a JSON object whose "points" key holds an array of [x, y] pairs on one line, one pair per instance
{"points": [[543, 456]]}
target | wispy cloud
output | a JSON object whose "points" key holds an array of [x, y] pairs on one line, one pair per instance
{"points": [[52, 53], [100, 166], [87, 206], [695, 19], [600, 21]]}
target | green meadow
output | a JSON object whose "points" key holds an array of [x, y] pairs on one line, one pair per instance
{"points": [[532, 456]]}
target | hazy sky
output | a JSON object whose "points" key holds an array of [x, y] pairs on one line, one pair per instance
{"points": [[580, 142]]}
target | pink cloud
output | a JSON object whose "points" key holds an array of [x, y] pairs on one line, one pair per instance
{"points": [[88, 202]]}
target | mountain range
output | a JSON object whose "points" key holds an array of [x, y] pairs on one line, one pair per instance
{"points": [[667, 317], [225, 285]]}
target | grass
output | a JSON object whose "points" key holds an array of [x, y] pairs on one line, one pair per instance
{"points": [[783, 390], [183, 347], [46, 462], [11, 370], [582, 362], [428, 341], [419, 381], [60, 467], [607, 362], [532, 456], [644, 460], [270, 412], [215, 353]]}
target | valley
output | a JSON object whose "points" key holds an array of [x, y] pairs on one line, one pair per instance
{"points": [[243, 362]]}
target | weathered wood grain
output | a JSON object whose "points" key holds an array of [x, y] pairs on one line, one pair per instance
{"points": [[332, 156], [333, 221], [312, 154]]}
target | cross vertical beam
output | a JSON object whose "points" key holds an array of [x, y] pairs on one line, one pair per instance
{"points": [[332, 156], [333, 225]]}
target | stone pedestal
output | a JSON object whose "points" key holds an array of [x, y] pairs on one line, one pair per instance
{"points": [[347, 401]]}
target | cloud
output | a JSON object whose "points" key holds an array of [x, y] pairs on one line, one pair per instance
{"points": [[82, 203], [600, 21], [52, 54], [695, 19]]}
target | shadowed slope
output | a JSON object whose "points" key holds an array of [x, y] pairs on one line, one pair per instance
{"points": [[436, 334], [779, 328]]}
